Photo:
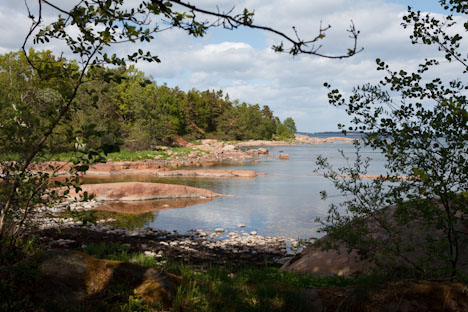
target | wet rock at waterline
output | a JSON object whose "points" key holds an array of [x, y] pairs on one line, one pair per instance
{"points": [[136, 191], [209, 173]]}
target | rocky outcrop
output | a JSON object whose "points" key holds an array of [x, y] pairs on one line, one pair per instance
{"points": [[209, 173], [305, 139], [283, 156], [132, 191], [406, 295], [412, 243], [74, 278], [331, 262]]}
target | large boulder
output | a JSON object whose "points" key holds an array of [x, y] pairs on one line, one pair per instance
{"points": [[73, 278], [130, 191], [315, 261], [411, 241]]}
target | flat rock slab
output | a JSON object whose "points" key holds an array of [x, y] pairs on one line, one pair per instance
{"points": [[132, 191], [69, 277], [138, 207], [209, 173]]}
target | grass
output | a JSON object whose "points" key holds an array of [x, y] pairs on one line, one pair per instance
{"points": [[214, 288], [127, 155], [222, 288], [115, 251]]}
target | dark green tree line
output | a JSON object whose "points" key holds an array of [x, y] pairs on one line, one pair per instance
{"points": [[134, 112]]}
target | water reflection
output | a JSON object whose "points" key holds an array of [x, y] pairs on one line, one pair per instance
{"points": [[284, 202], [128, 221], [138, 207]]}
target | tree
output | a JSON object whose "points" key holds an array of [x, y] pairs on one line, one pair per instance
{"points": [[416, 215], [290, 124], [97, 25]]}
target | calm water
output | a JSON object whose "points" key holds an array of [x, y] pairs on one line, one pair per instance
{"points": [[285, 201]]}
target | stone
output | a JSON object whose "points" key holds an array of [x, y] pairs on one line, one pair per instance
{"points": [[73, 277], [229, 148], [150, 253], [283, 156], [137, 191]]}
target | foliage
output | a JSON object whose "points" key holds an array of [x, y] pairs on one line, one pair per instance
{"points": [[234, 289], [420, 124], [139, 114], [139, 305], [286, 129], [39, 93], [290, 124], [115, 251]]}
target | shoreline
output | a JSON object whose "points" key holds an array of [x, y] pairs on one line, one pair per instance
{"points": [[196, 245], [219, 243], [210, 153]]}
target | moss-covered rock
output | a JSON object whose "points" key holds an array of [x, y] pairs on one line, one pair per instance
{"points": [[76, 279]]}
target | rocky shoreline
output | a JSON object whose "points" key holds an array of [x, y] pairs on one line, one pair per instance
{"points": [[207, 153], [196, 246]]}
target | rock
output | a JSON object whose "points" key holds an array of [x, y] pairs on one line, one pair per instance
{"points": [[150, 253], [315, 261], [219, 230], [73, 277], [283, 156], [253, 233], [136, 191], [210, 173], [241, 226], [229, 148], [406, 295]]}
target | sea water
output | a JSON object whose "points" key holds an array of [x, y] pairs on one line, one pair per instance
{"points": [[284, 202]]}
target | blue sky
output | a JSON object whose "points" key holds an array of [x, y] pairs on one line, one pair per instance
{"points": [[242, 64], [256, 38]]}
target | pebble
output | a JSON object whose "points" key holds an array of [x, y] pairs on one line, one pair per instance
{"points": [[235, 241], [150, 253]]}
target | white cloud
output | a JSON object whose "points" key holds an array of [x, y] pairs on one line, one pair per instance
{"points": [[290, 86]]}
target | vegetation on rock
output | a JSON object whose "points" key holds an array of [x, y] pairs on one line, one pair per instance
{"points": [[420, 124]]}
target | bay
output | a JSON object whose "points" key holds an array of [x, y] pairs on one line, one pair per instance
{"points": [[283, 202]]}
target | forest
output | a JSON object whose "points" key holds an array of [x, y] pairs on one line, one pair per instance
{"points": [[122, 107]]}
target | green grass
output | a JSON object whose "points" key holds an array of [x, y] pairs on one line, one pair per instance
{"points": [[212, 288], [115, 251], [222, 288], [126, 155], [247, 289]]}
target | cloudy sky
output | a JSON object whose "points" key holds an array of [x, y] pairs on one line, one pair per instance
{"points": [[242, 63]]}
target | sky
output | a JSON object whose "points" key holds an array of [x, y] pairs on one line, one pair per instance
{"points": [[242, 64]]}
